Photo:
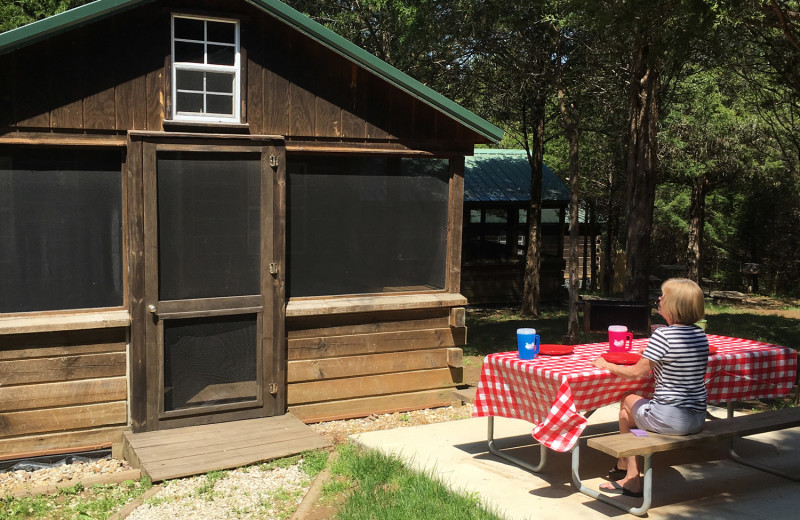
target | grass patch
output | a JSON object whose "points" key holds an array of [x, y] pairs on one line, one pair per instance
{"points": [[313, 462], [206, 489], [748, 323], [74, 503], [381, 487], [495, 329]]}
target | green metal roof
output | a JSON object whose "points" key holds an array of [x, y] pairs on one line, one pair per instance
{"points": [[99, 9], [494, 175]]}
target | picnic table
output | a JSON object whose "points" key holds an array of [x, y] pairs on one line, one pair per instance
{"points": [[556, 393]]}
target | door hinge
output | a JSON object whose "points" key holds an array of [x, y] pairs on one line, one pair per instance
{"points": [[273, 161], [273, 268], [273, 388]]}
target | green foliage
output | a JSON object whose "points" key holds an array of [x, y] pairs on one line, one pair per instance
{"points": [[383, 488], [15, 13], [494, 330], [74, 503], [206, 489], [313, 462], [739, 323]]}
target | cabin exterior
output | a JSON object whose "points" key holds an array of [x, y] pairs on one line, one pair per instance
{"points": [[219, 210], [497, 194]]}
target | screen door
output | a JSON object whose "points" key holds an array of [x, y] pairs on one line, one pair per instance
{"points": [[209, 291]]}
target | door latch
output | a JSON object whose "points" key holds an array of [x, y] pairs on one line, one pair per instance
{"points": [[273, 268], [273, 388], [273, 161]]}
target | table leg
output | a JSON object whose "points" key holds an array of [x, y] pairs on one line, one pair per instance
{"points": [[510, 458], [647, 490], [755, 465]]}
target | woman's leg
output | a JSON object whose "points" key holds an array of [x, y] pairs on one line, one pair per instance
{"points": [[628, 464]]}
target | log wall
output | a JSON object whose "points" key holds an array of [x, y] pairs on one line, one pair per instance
{"points": [[62, 389], [352, 365]]}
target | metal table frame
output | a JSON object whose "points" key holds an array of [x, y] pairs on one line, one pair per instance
{"points": [[647, 489]]}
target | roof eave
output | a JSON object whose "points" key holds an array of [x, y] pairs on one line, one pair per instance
{"points": [[22, 36], [380, 68], [62, 22]]}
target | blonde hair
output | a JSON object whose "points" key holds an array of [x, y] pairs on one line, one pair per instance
{"points": [[682, 301]]}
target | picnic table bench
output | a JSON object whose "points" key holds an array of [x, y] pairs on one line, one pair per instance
{"points": [[627, 445]]}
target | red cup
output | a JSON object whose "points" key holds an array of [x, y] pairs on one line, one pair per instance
{"points": [[619, 339]]}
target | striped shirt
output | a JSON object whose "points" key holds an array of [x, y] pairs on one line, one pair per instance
{"points": [[680, 356]]}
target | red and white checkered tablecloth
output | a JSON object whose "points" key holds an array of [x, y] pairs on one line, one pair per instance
{"points": [[552, 391]]}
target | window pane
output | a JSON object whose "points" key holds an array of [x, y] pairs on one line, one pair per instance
{"points": [[219, 82], [189, 28], [210, 361], [550, 216], [496, 216], [365, 225], [189, 80], [221, 55], [188, 102], [60, 230], [221, 32], [523, 216], [219, 104], [189, 52], [208, 224], [475, 216]]}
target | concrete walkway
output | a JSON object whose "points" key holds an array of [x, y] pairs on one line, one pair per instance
{"points": [[691, 483]]}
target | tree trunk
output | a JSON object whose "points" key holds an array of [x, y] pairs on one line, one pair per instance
{"points": [[531, 294], [593, 244], [574, 226], [585, 244], [610, 245], [642, 173], [569, 121], [697, 217]]}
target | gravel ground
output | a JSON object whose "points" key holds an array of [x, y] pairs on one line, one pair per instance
{"points": [[254, 492], [245, 493]]}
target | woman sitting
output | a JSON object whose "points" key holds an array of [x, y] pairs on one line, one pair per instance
{"points": [[678, 357]]}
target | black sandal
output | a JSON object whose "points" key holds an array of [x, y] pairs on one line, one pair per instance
{"points": [[615, 473], [616, 489]]}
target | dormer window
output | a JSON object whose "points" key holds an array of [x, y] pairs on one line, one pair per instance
{"points": [[205, 69]]}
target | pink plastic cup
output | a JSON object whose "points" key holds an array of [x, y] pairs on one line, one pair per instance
{"points": [[619, 339]]}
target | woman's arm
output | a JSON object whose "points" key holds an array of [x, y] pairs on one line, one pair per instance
{"points": [[637, 371]]}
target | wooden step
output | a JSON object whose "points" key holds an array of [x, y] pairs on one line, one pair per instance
{"points": [[465, 395], [194, 450]]}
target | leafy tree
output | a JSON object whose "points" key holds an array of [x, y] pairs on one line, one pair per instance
{"points": [[704, 146], [15, 13], [655, 39]]}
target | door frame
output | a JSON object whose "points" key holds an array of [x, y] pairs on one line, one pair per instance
{"points": [[146, 359]]}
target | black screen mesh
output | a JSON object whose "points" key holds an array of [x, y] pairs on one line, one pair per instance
{"points": [[208, 224], [366, 225], [60, 230], [209, 361]]}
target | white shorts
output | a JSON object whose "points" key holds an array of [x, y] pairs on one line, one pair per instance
{"points": [[670, 420]]}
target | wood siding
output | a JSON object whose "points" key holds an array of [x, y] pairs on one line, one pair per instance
{"points": [[57, 383], [113, 76], [354, 365]]}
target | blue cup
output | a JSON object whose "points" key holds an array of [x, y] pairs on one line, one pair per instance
{"points": [[527, 343]]}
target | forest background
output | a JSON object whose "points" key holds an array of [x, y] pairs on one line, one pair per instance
{"points": [[674, 122]]}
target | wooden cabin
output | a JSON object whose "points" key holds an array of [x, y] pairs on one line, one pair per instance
{"points": [[215, 210], [497, 194]]}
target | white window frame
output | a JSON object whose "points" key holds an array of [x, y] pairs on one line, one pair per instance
{"points": [[234, 69]]}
